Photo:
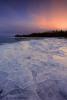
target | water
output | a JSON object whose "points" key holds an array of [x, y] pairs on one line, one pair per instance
{"points": [[4, 40], [34, 69]]}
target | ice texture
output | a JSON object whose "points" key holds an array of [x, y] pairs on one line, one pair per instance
{"points": [[34, 70]]}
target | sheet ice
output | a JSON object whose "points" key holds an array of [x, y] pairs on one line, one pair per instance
{"points": [[34, 70]]}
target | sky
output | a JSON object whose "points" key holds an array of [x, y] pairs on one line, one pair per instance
{"points": [[28, 16]]}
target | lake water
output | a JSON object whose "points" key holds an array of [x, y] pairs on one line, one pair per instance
{"points": [[33, 69]]}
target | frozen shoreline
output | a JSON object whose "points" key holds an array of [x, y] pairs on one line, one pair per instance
{"points": [[34, 70]]}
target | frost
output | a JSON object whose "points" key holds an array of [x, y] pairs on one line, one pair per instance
{"points": [[34, 70]]}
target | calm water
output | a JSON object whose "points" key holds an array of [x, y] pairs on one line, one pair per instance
{"points": [[34, 69]]}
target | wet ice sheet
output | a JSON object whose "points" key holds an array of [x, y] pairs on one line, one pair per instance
{"points": [[34, 70]]}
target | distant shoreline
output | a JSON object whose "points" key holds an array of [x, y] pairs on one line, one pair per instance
{"points": [[45, 34]]}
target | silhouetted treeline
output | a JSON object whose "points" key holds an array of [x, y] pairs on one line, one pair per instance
{"points": [[45, 34]]}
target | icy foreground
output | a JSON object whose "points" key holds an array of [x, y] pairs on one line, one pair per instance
{"points": [[34, 70]]}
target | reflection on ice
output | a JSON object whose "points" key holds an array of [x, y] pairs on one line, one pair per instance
{"points": [[64, 49], [34, 70], [62, 60]]}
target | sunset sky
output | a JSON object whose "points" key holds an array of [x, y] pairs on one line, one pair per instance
{"points": [[28, 16]]}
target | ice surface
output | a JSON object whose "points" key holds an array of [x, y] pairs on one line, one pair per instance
{"points": [[34, 70]]}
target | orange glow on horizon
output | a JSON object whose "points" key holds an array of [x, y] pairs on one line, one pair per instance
{"points": [[55, 22], [54, 19]]}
